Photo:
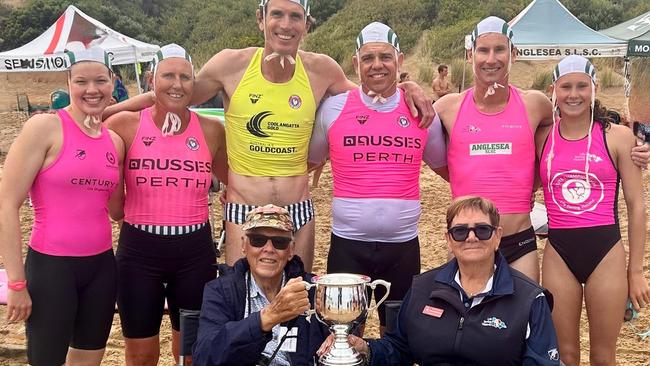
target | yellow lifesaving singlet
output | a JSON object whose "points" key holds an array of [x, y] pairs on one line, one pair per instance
{"points": [[268, 125]]}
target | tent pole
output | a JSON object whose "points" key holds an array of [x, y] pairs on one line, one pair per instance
{"points": [[462, 84], [135, 66]]}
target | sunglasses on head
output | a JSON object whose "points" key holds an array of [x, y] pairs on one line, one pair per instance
{"points": [[481, 231], [279, 242]]}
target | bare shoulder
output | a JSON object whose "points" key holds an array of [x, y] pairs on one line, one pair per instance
{"points": [[620, 133], [318, 62], [121, 119], [534, 98], [228, 60], [40, 125], [450, 103], [212, 127]]}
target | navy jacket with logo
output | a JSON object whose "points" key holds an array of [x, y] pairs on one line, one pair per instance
{"points": [[225, 337], [494, 332]]}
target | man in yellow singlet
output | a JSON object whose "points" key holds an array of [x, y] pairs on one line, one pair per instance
{"points": [[270, 98]]}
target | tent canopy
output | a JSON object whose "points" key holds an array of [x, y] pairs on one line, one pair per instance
{"points": [[46, 52], [545, 29], [636, 32]]}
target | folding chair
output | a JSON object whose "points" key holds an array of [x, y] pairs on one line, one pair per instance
{"points": [[189, 324], [392, 310]]}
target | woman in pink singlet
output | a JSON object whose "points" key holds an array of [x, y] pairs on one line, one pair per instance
{"points": [[583, 159], [70, 165], [165, 251]]}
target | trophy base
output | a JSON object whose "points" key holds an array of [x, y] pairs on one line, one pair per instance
{"points": [[341, 357]]}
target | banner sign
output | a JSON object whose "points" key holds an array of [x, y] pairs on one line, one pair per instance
{"points": [[546, 52]]}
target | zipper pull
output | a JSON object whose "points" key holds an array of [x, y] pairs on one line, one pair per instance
{"points": [[460, 323]]}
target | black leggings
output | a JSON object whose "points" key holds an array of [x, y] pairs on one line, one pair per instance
{"points": [[396, 263], [73, 302], [154, 267]]}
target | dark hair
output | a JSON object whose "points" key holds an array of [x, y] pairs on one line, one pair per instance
{"points": [[403, 76], [602, 115], [442, 68], [481, 204]]}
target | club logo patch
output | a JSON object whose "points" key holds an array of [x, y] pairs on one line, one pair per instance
{"points": [[403, 121], [148, 140], [494, 322], [254, 125], [295, 102], [471, 129], [490, 148], [553, 354], [110, 158], [80, 154], [362, 119], [573, 194], [254, 97], [192, 144]]}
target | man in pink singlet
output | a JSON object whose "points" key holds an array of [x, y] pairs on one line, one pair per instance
{"points": [[376, 149], [491, 145]]}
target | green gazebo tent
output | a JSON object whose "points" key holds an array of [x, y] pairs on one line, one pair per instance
{"points": [[636, 32]]}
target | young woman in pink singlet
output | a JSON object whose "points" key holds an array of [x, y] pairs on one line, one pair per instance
{"points": [[583, 159], [70, 165]]}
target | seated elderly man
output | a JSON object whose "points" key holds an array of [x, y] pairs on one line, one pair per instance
{"points": [[474, 310], [252, 314]]}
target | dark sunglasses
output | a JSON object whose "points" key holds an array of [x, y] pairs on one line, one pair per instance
{"points": [[279, 242], [461, 232]]}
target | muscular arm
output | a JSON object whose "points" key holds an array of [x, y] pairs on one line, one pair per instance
{"points": [[632, 181], [24, 160], [133, 104], [116, 201], [215, 134]]}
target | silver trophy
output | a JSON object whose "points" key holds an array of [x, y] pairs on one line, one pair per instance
{"points": [[342, 302]]}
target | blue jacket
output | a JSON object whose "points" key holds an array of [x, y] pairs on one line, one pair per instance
{"points": [[225, 337], [512, 325]]}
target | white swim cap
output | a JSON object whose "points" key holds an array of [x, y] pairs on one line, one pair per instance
{"points": [[171, 50], [377, 32], [491, 24], [78, 53], [574, 63], [303, 3]]}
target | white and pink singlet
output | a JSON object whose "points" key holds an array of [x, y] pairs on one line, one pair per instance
{"points": [[376, 152], [571, 202]]}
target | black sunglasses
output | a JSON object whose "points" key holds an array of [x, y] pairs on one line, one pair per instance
{"points": [[461, 232], [279, 242]]}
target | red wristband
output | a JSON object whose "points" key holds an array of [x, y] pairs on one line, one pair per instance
{"points": [[17, 285]]}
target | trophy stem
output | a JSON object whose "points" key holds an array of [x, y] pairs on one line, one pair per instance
{"points": [[341, 354]]}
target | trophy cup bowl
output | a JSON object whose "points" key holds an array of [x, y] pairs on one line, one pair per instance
{"points": [[342, 302]]}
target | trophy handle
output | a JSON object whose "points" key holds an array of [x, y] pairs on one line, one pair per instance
{"points": [[309, 286], [374, 284]]}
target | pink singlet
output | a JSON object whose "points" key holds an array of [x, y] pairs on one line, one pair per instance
{"points": [[70, 196], [493, 155], [376, 154], [570, 202], [167, 178]]}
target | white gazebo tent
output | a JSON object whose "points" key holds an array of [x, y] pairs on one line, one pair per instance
{"points": [[46, 52]]}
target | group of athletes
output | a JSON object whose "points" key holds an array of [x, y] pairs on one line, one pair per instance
{"points": [[149, 161]]}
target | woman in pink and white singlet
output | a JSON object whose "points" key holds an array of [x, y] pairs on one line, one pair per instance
{"points": [[70, 166], [583, 159]]}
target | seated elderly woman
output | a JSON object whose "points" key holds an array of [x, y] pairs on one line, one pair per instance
{"points": [[474, 310], [252, 314]]}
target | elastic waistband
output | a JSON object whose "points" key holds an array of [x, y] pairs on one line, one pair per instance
{"points": [[519, 239], [169, 230]]}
